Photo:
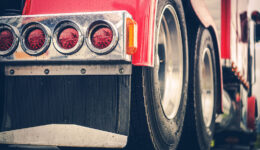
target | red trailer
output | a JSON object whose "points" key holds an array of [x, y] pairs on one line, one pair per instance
{"points": [[145, 74]]}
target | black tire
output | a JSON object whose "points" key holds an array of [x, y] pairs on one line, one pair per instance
{"points": [[196, 134], [150, 128]]}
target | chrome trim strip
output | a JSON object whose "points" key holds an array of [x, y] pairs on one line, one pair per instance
{"points": [[226, 63], [63, 135], [44, 70]]}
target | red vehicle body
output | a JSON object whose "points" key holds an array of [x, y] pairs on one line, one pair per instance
{"points": [[141, 10], [51, 81]]}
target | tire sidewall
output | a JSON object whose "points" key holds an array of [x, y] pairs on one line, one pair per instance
{"points": [[166, 132], [204, 133]]}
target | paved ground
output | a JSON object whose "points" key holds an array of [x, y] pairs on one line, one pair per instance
{"points": [[48, 148], [233, 148]]}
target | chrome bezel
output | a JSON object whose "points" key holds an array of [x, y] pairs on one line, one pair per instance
{"points": [[25, 32], [14, 45], [113, 43], [83, 20], [59, 27]]}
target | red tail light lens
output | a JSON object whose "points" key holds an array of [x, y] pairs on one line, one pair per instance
{"points": [[101, 37], [6, 39], [68, 38], [35, 39]]}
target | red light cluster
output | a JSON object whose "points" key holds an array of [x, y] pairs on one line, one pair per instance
{"points": [[67, 38]]}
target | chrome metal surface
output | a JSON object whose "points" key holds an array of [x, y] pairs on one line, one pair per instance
{"points": [[207, 86], [26, 30], [170, 61], [15, 41], [113, 43], [228, 108], [226, 63], [63, 135], [83, 21], [62, 25], [244, 110], [44, 70]]}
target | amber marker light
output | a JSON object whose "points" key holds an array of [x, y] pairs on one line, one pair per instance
{"points": [[131, 36]]}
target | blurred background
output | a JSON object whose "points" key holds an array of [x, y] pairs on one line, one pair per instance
{"points": [[256, 90], [255, 5], [214, 7]]}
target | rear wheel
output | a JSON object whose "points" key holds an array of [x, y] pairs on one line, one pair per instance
{"points": [[201, 109], [160, 115]]}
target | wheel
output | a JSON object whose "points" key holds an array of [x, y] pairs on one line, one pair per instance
{"points": [[201, 108], [158, 114]]}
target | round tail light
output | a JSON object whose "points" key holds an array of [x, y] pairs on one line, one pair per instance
{"points": [[102, 37], [35, 39], [6, 39], [68, 38]]}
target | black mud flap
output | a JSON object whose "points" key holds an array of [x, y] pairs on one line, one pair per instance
{"points": [[100, 102]]}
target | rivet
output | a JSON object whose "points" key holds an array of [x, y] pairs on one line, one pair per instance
{"points": [[46, 71], [121, 70], [83, 71], [11, 71]]}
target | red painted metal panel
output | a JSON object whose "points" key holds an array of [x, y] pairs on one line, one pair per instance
{"points": [[27, 7], [143, 12], [225, 28], [251, 112]]}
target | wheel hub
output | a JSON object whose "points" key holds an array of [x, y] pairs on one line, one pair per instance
{"points": [[207, 86], [170, 61]]}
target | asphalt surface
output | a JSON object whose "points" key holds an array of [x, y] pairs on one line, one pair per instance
{"points": [[233, 148], [55, 148]]}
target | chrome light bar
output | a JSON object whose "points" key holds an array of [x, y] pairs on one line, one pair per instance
{"points": [[50, 25]]}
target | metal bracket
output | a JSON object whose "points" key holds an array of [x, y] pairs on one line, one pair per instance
{"points": [[49, 70]]}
